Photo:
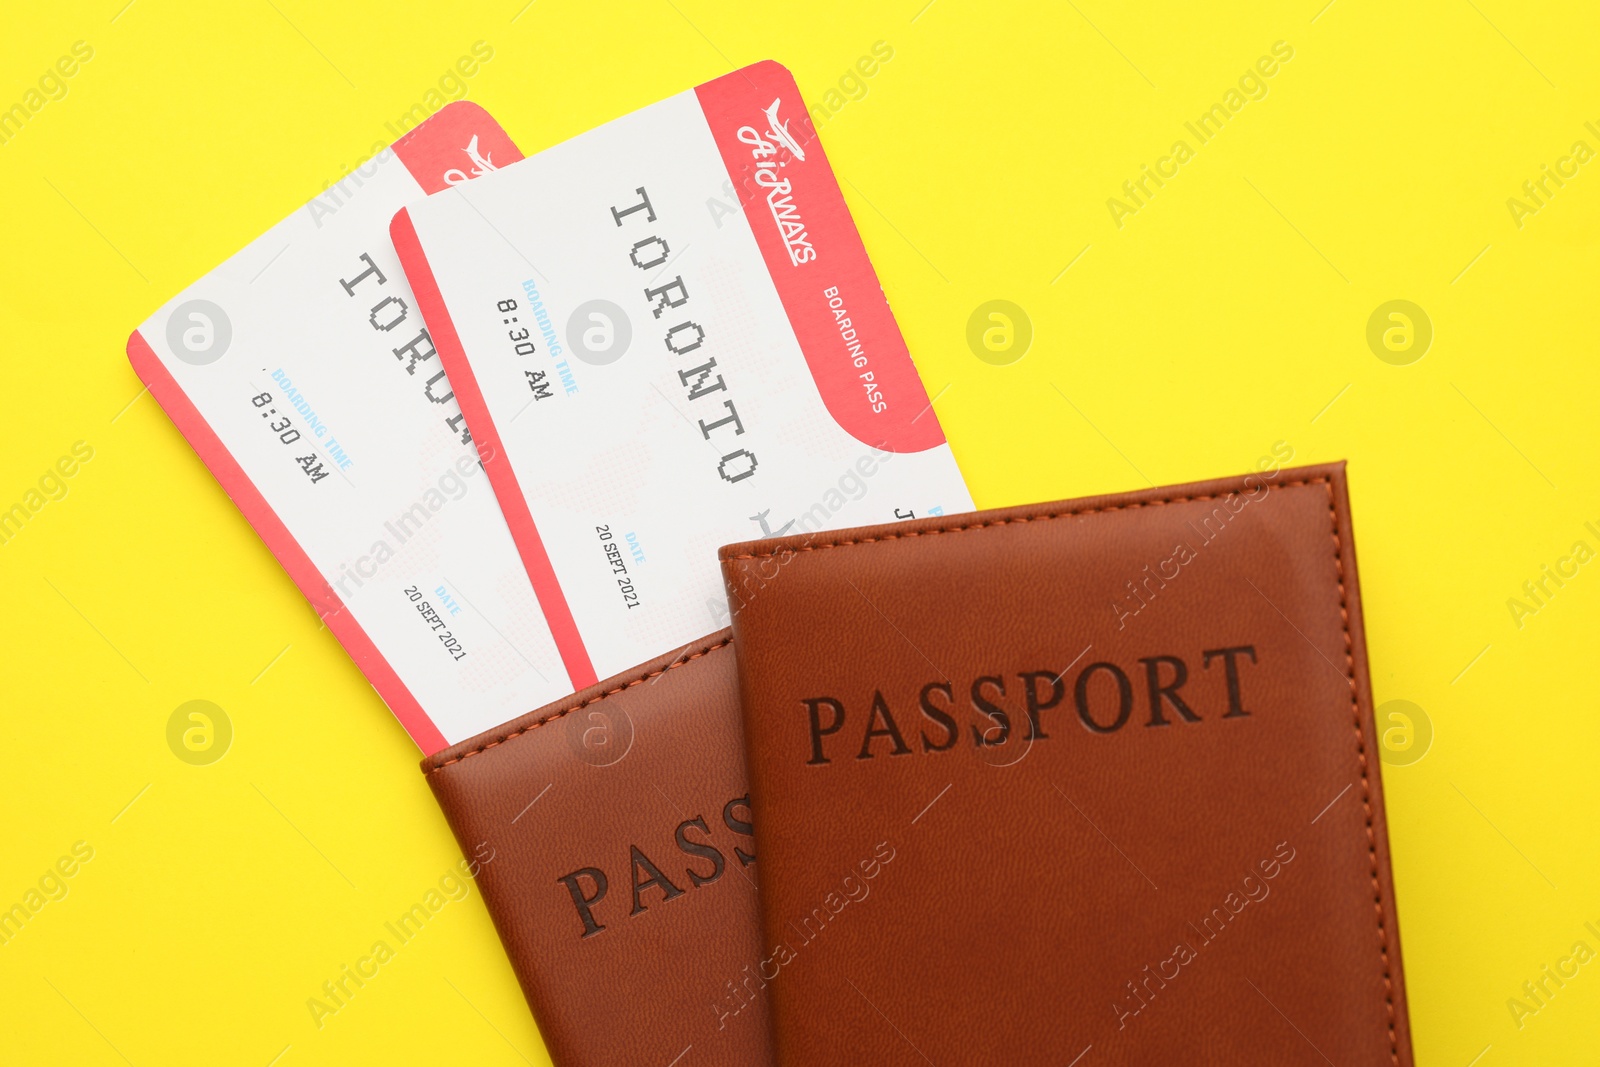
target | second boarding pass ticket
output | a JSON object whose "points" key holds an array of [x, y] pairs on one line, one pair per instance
{"points": [[302, 373], [666, 335]]}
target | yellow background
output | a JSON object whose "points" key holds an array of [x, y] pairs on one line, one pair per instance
{"points": [[1221, 318]]}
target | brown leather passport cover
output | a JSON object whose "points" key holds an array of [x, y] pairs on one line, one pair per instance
{"points": [[1082, 783], [612, 831]]}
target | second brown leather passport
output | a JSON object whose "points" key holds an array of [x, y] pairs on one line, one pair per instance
{"points": [[1085, 783], [612, 833]]}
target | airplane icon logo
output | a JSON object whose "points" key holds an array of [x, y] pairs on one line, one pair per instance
{"points": [[779, 131]]}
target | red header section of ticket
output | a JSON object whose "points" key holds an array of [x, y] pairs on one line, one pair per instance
{"points": [[458, 143], [835, 305]]}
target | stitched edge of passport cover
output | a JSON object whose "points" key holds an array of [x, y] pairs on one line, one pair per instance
{"points": [[609, 687]]}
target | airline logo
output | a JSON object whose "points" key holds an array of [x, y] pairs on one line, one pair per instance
{"points": [[481, 162], [778, 130], [779, 194]]}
